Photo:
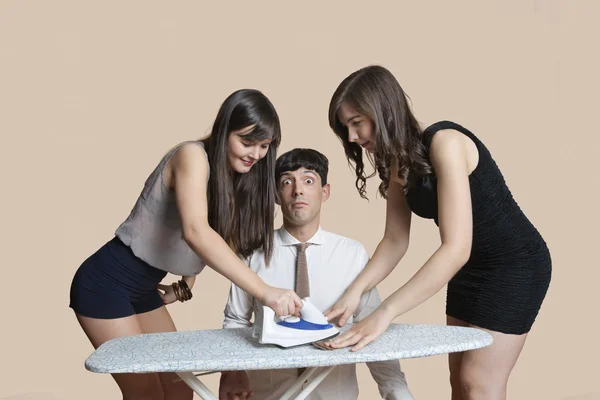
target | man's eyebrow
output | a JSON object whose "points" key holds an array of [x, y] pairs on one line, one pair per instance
{"points": [[305, 171]]}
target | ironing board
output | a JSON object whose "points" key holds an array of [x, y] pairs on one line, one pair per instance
{"points": [[235, 349]]}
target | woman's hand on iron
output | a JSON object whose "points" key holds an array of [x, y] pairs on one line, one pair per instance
{"points": [[363, 332], [344, 307], [168, 294], [282, 301]]}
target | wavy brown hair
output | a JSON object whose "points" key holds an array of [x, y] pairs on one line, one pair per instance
{"points": [[373, 91], [241, 207]]}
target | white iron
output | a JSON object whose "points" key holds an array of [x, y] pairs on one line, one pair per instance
{"points": [[293, 331]]}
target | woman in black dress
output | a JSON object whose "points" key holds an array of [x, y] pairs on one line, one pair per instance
{"points": [[495, 262]]}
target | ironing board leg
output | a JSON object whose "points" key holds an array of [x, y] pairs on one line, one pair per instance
{"points": [[298, 384], [314, 382], [308, 375], [196, 385]]}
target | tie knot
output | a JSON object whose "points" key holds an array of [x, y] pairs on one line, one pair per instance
{"points": [[302, 246]]}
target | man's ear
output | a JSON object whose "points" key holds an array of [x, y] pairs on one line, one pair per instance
{"points": [[326, 191], [277, 197]]}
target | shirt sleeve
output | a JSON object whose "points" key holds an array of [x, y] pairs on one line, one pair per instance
{"points": [[238, 311], [388, 375], [370, 300]]}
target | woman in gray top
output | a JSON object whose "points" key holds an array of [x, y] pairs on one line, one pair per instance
{"points": [[208, 202]]}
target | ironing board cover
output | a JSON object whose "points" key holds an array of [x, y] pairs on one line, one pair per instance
{"points": [[236, 349]]}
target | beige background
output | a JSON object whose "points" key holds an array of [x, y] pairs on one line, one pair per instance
{"points": [[93, 93]]}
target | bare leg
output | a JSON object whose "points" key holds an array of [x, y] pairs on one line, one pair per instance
{"points": [[133, 386], [484, 372], [454, 362], [160, 320]]}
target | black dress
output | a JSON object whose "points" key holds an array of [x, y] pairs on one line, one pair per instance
{"points": [[505, 280]]}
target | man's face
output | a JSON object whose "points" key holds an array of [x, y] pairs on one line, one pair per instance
{"points": [[301, 195]]}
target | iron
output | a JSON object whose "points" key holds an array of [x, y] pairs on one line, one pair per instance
{"points": [[290, 331]]}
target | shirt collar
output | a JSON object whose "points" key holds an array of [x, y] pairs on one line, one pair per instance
{"points": [[288, 240]]}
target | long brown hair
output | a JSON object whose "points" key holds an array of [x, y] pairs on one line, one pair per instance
{"points": [[373, 91], [241, 207]]}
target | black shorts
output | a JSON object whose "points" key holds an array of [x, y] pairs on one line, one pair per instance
{"points": [[114, 283]]}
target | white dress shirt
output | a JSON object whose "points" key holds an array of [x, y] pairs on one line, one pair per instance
{"points": [[333, 263]]}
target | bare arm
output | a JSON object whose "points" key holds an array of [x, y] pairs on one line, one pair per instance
{"points": [[190, 280], [388, 254], [394, 244], [189, 173], [449, 159]]}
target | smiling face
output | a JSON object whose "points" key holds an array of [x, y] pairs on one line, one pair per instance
{"points": [[301, 194], [242, 153], [360, 127]]}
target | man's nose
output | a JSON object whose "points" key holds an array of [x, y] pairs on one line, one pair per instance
{"points": [[298, 191]]}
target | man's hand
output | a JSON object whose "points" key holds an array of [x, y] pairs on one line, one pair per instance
{"points": [[234, 385]]}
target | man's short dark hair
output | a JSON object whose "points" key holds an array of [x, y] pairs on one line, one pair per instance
{"points": [[302, 158]]}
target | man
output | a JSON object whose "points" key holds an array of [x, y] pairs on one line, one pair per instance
{"points": [[332, 261]]}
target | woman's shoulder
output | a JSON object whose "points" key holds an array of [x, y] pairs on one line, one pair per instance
{"points": [[188, 151], [186, 157]]}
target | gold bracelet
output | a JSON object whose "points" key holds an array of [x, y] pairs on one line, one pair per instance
{"points": [[186, 289]]}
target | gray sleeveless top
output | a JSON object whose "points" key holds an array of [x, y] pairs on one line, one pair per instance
{"points": [[153, 228]]}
